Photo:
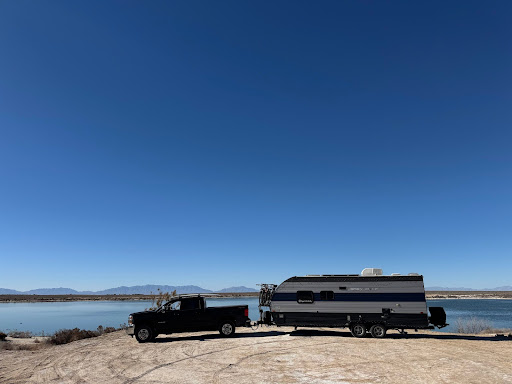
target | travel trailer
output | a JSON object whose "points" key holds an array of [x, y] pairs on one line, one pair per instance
{"points": [[367, 303]]}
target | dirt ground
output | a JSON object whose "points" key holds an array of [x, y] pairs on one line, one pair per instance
{"points": [[267, 355]]}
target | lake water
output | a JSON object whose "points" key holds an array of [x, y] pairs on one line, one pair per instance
{"points": [[49, 317]]}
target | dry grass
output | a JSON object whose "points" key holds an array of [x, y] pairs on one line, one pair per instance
{"points": [[497, 331], [65, 336], [62, 336], [159, 299], [472, 325], [20, 334], [10, 346]]}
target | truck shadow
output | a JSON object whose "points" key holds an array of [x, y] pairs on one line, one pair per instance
{"points": [[438, 336], [212, 336]]}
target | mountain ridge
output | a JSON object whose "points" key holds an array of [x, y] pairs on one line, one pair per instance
{"points": [[183, 289]]}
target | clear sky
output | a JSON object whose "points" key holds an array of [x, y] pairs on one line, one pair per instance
{"points": [[224, 143]]}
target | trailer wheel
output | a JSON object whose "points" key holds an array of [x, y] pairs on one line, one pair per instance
{"points": [[144, 334], [227, 328], [378, 331], [358, 330]]}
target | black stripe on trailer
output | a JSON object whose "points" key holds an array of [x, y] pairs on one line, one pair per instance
{"points": [[313, 319], [365, 297]]}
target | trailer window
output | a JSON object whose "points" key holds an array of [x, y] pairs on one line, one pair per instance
{"points": [[326, 295], [305, 297]]}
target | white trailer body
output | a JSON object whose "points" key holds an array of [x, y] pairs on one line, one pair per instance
{"points": [[395, 301]]}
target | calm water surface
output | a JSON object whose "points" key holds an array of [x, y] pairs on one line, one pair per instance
{"points": [[49, 317]]}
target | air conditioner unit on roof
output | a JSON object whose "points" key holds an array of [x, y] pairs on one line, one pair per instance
{"points": [[371, 272]]}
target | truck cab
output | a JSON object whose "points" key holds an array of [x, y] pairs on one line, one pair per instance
{"points": [[186, 313]]}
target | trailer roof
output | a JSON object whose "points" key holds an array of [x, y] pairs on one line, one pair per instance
{"points": [[346, 278]]}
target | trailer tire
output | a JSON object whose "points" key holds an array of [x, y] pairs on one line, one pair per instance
{"points": [[378, 331], [144, 333], [358, 330], [227, 328]]}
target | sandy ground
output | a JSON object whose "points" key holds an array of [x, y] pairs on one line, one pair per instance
{"points": [[267, 355]]}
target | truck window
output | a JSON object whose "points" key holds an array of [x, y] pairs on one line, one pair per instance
{"points": [[189, 304], [305, 297], [326, 295]]}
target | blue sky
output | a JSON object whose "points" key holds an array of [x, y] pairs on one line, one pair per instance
{"points": [[232, 143]]}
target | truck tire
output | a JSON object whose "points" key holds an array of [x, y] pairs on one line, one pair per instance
{"points": [[358, 330], [378, 331], [143, 334], [227, 328]]}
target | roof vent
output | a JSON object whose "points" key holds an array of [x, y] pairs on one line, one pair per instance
{"points": [[413, 274], [395, 274], [371, 272]]}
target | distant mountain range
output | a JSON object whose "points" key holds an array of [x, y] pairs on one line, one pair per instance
{"points": [[148, 289], [503, 288], [134, 290]]}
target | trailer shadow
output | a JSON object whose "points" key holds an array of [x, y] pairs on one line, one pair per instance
{"points": [[442, 336], [212, 336], [330, 333], [409, 335]]}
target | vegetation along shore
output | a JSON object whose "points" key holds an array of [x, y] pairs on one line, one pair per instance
{"points": [[432, 295], [62, 298]]}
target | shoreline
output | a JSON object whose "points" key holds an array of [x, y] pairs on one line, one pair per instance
{"points": [[468, 295], [430, 295]]}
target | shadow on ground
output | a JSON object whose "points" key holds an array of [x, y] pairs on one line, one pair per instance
{"points": [[169, 338], [328, 333], [409, 335]]}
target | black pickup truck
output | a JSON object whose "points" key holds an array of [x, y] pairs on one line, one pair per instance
{"points": [[186, 313]]}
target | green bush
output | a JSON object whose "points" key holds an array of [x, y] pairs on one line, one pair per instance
{"points": [[2, 336]]}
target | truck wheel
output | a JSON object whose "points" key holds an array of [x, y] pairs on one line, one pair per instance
{"points": [[378, 331], [358, 330], [227, 328], [144, 334]]}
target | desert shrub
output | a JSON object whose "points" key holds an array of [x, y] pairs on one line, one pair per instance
{"points": [[472, 325], [160, 298], [64, 336], [9, 346], [101, 330], [20, 334], [497, 330], [2, 336]]}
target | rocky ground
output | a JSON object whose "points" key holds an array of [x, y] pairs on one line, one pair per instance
{"points": [[267, 355]]}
